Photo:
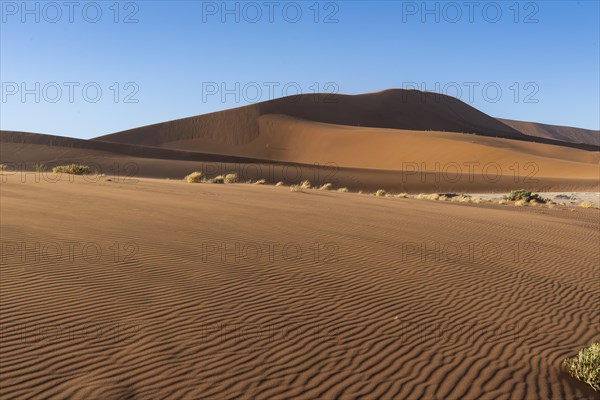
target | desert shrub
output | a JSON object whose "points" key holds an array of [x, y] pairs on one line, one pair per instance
{"points": [[2, 167], [434, 196], [526, 196], [380, 193], [586, 365], [194, 177], [39, 167], [73, 169], [326, 186], [402, 196], [260, 182], [343, 190], [296, 188], [230, 178], [280, 183], [218, 179], [305, 185], [587, 204], [520, 203]]}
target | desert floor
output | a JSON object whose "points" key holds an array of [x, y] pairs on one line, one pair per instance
{"points": [[165, 290]]}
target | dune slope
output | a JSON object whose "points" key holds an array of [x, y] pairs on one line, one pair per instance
{"points": [[243, 291]]}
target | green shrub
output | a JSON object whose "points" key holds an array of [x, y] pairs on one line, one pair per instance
{"points": [[586, 365], [525, 196], [73, 169], [194, 177]]}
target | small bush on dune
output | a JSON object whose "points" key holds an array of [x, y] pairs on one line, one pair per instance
{"points": [[380, 193], [520, 203], [343, 190], [305, 185], [526, 196], [586, 365], [296, 188], [2, 167], [230, 178], [280, 183], [402, 196], [326, 186], [587, 204], [260, 182], [194, 177], [73, 169]]}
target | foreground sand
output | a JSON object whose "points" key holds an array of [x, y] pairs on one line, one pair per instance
{"points": [[160, 289]]}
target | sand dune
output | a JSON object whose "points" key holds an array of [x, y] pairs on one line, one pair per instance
{"points": [[349, 297], [395, 109], [563, 133], [292, 150]]}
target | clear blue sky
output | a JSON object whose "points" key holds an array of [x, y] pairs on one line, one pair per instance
{"points": [[173, 59]]}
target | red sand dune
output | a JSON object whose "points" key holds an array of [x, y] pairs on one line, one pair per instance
{"points": [[563, 133], [395, 140]]}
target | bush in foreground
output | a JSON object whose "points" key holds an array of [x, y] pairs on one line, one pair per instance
{"points": [[194, 177], [73, 169], [587, 204], [586, 365]]}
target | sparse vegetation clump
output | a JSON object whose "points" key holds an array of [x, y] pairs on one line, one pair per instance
{"points": [[305, 184], [260, 182], [525, 196], [39, 167], [296, 188], [2, 167], [586, 365], [402, 196], [73, 169], [380, 193], [343, 190], [218, 179], [194, 177], [326, 186], [587, 204], [230, 178], [280, 183]]}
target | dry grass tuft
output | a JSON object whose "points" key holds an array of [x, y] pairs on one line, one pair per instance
{"points": [[343, 190], [586, 365], [587, 204], [194, 177], [326, 186], [73, 169], [230, 178], [380, 193], [260, 182], [280, 183]]}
